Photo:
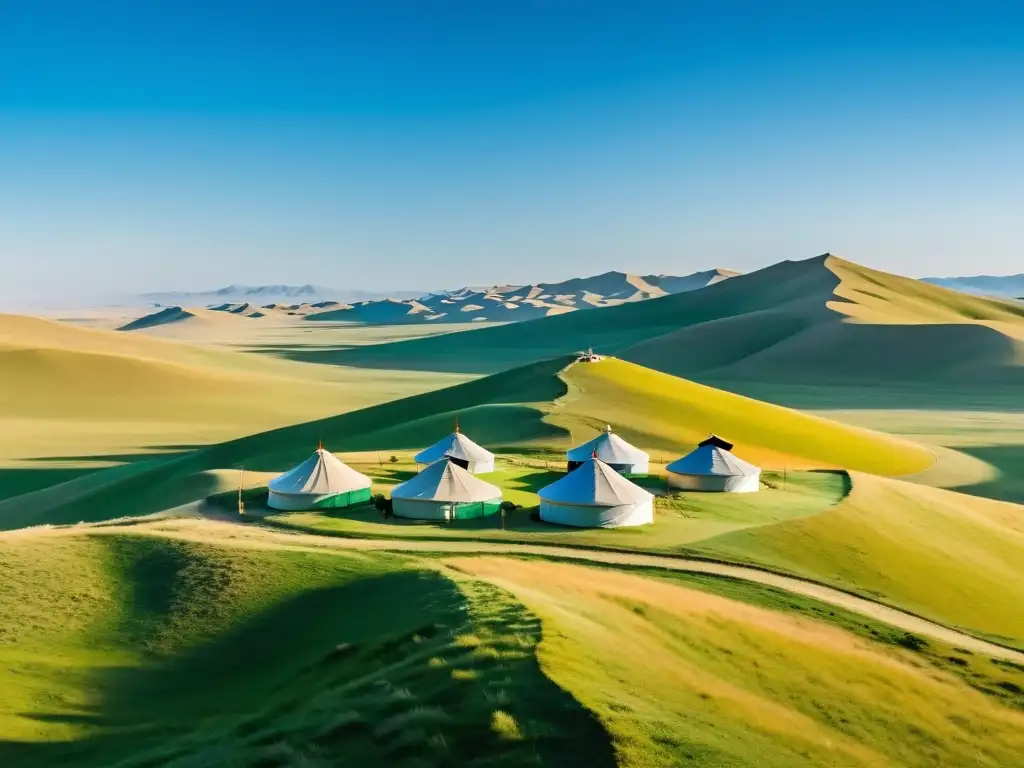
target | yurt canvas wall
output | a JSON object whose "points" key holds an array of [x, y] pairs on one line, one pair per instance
{"points": [[594, 495], [445, 491], [320, 482], [713, 468]]}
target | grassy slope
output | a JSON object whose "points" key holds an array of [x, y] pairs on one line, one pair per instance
{"points": [[303, 659], [298, 656], [509, 410], [871, 296], [690, 678], [496, 410], [669, 414], [74, 394], [947, 556], [787, 284], [785, 323], [680, 520], [901, 330]]}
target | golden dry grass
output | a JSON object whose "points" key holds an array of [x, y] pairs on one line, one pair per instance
{"points": [[954, 558], [76, 393], [656, 410], [684, 677]]}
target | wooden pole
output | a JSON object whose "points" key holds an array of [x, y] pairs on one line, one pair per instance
{"points": [[241, 504]]}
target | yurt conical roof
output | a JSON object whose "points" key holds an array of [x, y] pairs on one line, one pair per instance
{"points": [[322, 473], [456, 445], [446, 481], [711, 459], [609, 448], [594, 483]]}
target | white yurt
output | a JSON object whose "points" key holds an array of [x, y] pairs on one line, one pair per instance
{"points": [[320, 482], [445, 491], [461, 450], [594, 495], [711, 467], [613, 451]]}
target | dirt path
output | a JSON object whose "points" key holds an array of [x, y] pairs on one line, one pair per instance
{"points": [[232, 534]]}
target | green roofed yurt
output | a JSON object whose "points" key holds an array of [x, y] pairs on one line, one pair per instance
{"points": [[461, 450], [320, 482], [594, 495], [613, 451], [711, 466], [445, 491]]}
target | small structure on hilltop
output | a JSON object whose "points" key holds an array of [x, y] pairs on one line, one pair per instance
{"points": [[590, 356], [445, 491], [320, 482], [459, 449], [712, 467], [613, 451], [595, 495]]}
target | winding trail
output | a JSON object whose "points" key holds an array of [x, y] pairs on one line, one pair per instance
{"points": [[232, 534]]}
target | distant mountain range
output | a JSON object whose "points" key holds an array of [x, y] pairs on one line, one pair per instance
{"points": [[514, 303], [277, 293], [983, 285]]}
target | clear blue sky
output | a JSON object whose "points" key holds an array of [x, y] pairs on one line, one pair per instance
{"points": [[171, 145]]}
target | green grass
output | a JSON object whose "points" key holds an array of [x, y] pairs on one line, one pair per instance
{"points": [[946, 556], [1000, 679], [665, 412], [495, 410], [529, 410], [610, 331], [680, 520], [782, 323], [315, 658], [133, 650], [680, 677], [74, 398]]}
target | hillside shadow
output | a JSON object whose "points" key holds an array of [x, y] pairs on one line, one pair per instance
{"points": [[534, 481], [352, 357], [847, 395], [374, 672], [17, 481], [39, 473], [1009, 462]]}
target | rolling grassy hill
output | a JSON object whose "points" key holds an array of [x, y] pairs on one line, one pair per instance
{"points": [[533, 408], [107, 640], [715, 682], [518, 303], [886, 540], [313, 656], [669, 414], [944, 555], [823, 319], [74, 398]]}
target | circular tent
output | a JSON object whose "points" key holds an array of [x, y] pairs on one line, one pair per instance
{"points": [[320, 482], [461, 450], [711, 467], [594, 495], [445, 491], [613, 451]]}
